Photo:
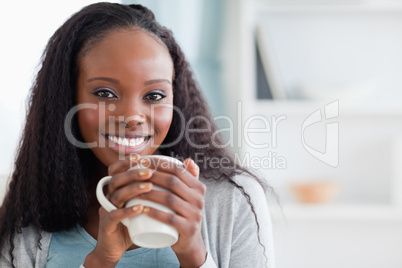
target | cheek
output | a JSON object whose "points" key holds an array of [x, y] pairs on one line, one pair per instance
{"points": [[89, 122], [163, 119]]}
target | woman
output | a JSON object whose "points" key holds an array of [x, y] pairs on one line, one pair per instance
{"points": [[115, 84]]}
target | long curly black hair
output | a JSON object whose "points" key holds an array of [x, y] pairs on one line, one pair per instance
{"points": [[50, 182]]}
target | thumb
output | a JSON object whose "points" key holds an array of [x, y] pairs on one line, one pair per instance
{"points": [[192, 167]]}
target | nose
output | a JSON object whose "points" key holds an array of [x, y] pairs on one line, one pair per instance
{"points": [[131, 116]]}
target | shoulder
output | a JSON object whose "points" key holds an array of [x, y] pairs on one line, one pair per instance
{"points": [[244, 189], [30, 236], [238, 202], [30, 248]]}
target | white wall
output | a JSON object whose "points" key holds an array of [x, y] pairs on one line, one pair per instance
{"points": [[336, 49], [324, 47], [338, 243], [25, 28]]}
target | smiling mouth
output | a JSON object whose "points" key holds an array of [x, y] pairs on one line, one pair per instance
{"points": [[127, 142]]}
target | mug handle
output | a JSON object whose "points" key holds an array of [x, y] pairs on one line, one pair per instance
{"points": [[105, 203]]}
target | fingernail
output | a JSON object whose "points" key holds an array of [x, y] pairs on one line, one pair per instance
{"points": [[145, 185], [195, 164], [134, 157], [145, 210], [137, 207], [145, 172], [145, 162]]}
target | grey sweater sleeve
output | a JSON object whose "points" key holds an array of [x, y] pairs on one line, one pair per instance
{"points": [[230, 230], [26, 252], [252, 239]]}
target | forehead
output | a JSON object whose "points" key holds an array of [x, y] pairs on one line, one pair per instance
{"points": [[125, 50]]}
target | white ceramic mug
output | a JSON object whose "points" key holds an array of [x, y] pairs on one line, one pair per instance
{"points": [[144, 231]]}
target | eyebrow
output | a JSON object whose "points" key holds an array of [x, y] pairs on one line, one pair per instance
{"points": [[115, 81], [154, 81], [107, 79]]}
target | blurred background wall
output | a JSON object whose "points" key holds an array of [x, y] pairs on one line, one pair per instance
{"points": [[26, 27], [311, 54], [198, 26]]}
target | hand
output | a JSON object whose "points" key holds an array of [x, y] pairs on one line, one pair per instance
{"points": [[113, 238], [186, 199]]}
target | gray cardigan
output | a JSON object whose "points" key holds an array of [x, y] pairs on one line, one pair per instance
{"points": [[228, 228]]}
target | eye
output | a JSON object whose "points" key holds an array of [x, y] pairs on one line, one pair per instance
{"points": [[154, 96], [105, 94]]}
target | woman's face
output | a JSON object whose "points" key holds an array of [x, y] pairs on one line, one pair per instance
{"points": [[125, 89]]}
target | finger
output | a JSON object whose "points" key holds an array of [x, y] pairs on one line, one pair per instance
{"points": [[175, 203], [168, 166], [132, 190], [123, 165], [192, 167], [182, 225], [117, 215], [134, 175], [174, 184]]}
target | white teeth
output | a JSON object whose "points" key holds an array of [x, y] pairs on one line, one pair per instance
{"points": [[126, 141], [133, 142]]}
